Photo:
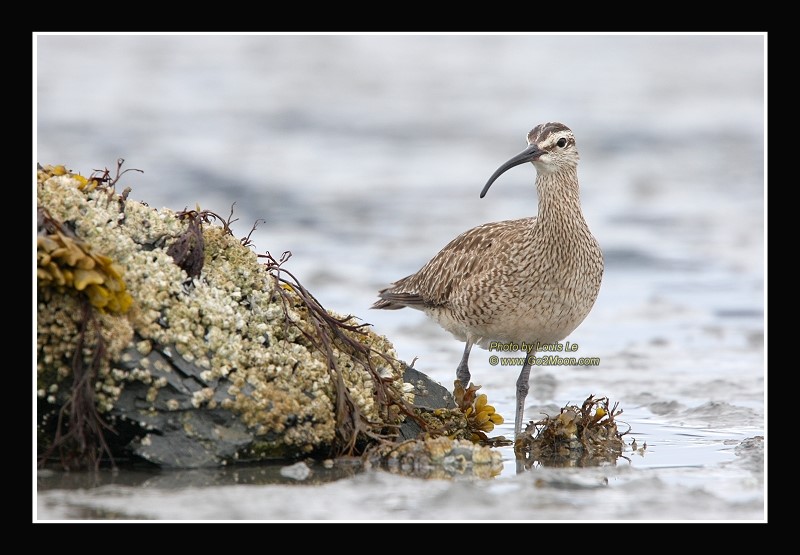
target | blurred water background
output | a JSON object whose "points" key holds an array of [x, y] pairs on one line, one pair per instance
{"points": [[365, 154]]}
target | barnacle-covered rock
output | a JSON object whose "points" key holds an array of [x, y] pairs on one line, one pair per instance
{"points": [[224, 363], [438, 457]]}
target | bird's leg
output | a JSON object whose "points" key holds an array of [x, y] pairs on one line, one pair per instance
{"points": [[462, 372], [522, 392]]}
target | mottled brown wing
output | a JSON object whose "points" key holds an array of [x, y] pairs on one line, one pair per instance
{"points": [[470, 254]]}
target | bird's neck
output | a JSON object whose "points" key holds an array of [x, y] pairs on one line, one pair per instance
{"points": [[559, 201]]}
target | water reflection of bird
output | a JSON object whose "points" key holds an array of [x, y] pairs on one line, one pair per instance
{"points": [[528, 280]]}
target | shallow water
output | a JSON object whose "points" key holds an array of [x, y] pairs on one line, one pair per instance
{"points": [[364, 155]]}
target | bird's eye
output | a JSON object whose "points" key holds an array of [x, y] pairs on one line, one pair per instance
{"points": [[562, 142]]}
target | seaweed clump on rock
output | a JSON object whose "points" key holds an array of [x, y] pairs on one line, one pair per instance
{"points": [[161, 337], [585, 435]]}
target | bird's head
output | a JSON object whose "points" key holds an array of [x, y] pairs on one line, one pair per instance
{"points": [[551, 148]]}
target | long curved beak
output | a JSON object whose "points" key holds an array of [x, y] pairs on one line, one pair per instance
{"points": [[528, 155]]}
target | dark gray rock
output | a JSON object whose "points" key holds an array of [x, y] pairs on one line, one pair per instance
{"points": [[428, 395]]}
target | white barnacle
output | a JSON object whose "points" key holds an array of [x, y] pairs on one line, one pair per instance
{"points": [[152, 393], [141, 375], [112, 390], [144, 347], [202, 396]]}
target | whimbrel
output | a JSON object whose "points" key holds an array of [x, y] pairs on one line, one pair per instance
{"points": [[528, 280]]}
